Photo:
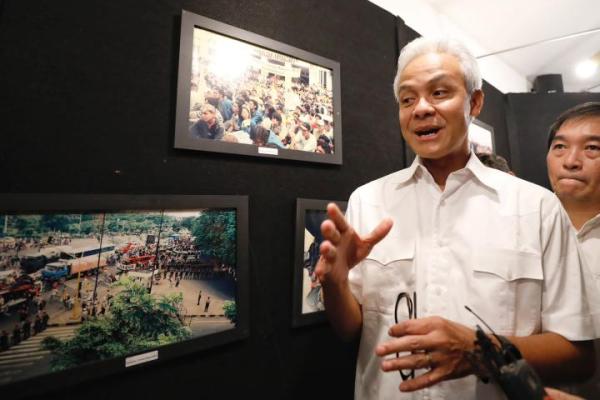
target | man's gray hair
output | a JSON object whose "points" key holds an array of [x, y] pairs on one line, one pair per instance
{"points": [[423, 45]]}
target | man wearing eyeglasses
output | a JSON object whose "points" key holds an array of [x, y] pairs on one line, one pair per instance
{"points": [[573, 162], [418, 245]]}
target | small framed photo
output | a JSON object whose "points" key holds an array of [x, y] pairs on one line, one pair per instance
{"points": [[242, 93], [308, 297], [97, 284], [481, 137]]}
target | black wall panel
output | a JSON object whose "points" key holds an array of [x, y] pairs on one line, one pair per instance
{"points": [[529, 117], [494, 114]]}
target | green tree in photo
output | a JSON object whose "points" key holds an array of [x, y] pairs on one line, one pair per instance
{"points": [[215, 233], [137, 322], [27, 225], [230, 311], [58, 222]]}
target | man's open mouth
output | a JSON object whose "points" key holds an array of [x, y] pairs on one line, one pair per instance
{"points": [[427, 131]]}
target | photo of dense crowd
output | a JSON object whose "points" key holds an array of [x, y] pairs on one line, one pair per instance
{"points": [[76, 288], [245, 94]]}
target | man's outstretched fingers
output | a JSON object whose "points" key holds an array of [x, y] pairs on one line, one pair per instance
{"points": [[380, 231], [328, 251], [330, 232], [335, 214]]}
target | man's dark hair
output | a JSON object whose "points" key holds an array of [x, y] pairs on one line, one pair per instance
{"points": [[493, 161], [585, 110], [276, 116]]}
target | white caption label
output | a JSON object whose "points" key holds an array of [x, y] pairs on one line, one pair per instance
{"points": [[141, 358], [268, 150]]}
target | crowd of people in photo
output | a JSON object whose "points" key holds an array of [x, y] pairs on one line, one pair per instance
{"points": [[184, 261], [26, 326], [260, 111], [178, 260]]}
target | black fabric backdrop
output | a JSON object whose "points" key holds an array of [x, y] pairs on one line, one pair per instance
{"points": [[87, 95]]}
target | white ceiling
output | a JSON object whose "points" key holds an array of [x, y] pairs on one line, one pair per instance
{"points": [[496, 25]]}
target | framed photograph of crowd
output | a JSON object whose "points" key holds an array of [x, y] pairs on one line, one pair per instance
{"points": [[242, 93], [308, 297], [481, 137], [97, 284]]}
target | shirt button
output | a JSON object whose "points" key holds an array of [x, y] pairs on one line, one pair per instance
{"points": [[438, 291]]}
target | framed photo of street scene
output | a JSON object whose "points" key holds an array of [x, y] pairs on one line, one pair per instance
{"points": [[481, 137], [98, 284], [308, 297], [242, 93]]}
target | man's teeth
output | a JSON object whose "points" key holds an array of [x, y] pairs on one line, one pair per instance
{"points": [[427, 132]]}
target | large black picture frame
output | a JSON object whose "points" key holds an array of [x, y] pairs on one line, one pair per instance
{"points": [[25, 204], [282, 53], [309, 215]]}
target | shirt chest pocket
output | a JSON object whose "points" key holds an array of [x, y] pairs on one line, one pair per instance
{"points": [[388, 271], [506, 289]]}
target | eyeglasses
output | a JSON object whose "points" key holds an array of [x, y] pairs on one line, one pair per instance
{"points": [[411, 305]]}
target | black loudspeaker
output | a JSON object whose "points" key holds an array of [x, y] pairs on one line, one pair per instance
{"points": [[549, 83]]}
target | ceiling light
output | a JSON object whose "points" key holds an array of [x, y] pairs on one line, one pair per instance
{"points": [[586, 69]]}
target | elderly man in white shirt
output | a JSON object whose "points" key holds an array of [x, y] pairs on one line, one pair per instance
{"points": [[573, 162], [418, 245]]}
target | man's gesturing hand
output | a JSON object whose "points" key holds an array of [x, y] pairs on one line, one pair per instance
{"points": [[343, 248], [435, 343]]}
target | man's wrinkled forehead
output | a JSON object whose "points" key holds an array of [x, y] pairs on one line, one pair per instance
{"points": [[431, 68], [592, 124]]}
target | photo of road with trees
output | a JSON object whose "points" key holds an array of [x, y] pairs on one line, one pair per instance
{"points": [[78, 288]]}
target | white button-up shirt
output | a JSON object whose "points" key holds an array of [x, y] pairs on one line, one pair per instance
{"points": [[589, 242], [491, 241], [588, 238]]}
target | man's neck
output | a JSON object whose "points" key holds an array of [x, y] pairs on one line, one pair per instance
{"points": [[442, 167], [581, 212]]}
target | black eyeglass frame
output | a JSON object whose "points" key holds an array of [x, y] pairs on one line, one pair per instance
{"points": [[411, 304]]}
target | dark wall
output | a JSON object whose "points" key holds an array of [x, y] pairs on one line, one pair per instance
{"points": [[529, 117], [494, 114], [88, 89]]}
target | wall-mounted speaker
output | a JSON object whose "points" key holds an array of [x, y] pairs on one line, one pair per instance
{"points": [[548, 83]]}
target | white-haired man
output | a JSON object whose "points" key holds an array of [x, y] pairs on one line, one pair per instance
{"points": [[449, 233]]}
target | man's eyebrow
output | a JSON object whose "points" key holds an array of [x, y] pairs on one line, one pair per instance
{"points": [[436, 79], [587, 138]]}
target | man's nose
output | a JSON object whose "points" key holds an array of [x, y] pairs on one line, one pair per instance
{"points": [[572, 159], [423, 108]]}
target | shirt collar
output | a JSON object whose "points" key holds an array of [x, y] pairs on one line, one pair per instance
{"points": [[589, 225], [484, 174]]}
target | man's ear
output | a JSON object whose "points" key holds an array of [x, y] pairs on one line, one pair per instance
{"points": [[476, 103]]}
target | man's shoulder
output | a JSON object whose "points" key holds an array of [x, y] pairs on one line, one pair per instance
{"points": [[522, 195], [384, 183], [512, 184]]}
